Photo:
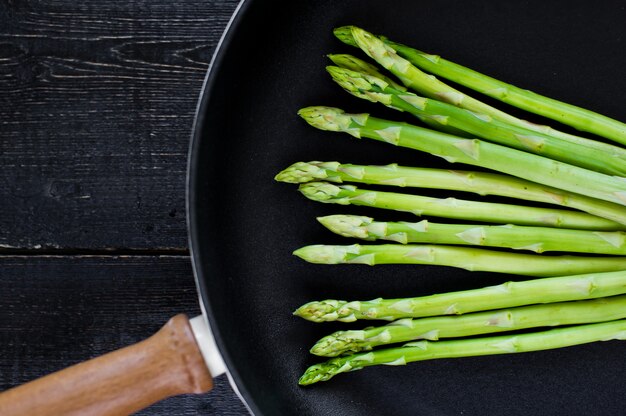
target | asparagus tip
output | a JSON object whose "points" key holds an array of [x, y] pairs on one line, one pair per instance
{"points": [[374, 47], [344, 34], [319, 191], [301, 172], [326, 118], [317, 311], [338, 343], [361, 85], [341, 59], [325, 371], [353, 63], [347, 225], [328, 310], [325, 254]]}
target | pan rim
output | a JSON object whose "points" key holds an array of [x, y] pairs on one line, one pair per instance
{"points": [[193, 160]]}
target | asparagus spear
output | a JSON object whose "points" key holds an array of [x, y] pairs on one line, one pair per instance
{"points": [[376, 89], [537, 239], [355, 64], [474, 152], [504, 344], [574, 116], [478, 182], [501, 320], [473, 259], [506, 295], [453, 208], [409, 75]]}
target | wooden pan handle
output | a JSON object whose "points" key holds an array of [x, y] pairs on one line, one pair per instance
{"points": [[118, 383]]}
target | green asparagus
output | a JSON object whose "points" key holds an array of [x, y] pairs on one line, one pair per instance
{"points": [[537, 239], [504, 344], [472, 259], [471, 151], [355, 64], [478, 182], [506, 295], [501, 320], [411, 76], [574, 116], [376, 89], [453, 208]]}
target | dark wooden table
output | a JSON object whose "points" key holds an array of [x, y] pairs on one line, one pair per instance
{"points": [[97, 99]]}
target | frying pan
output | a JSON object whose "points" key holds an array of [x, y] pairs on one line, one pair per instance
{"points": [[243, 226]]}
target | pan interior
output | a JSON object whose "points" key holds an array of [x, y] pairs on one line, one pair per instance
{"points": [[245, 225]]}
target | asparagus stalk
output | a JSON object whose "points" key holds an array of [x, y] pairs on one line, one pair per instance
{"points": [[504, 344], [453, 208], [537, 239], [477, 182], [409, 75], [506, 295], [471, 151], [473, 259], [501, 320], [352, 63], [577, 117], [375, 89]]}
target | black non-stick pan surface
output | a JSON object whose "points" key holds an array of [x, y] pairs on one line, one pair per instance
{"points": [[244, 225]]}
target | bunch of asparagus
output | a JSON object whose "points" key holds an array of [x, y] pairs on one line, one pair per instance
{"points": [[584, 180]]}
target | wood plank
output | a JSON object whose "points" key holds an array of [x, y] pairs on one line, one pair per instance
{"points": [[96, 106], [59, 310]]}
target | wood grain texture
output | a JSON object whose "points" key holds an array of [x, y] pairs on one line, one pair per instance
{"points": [[59, 310], [127, 380], [96, 104]]}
